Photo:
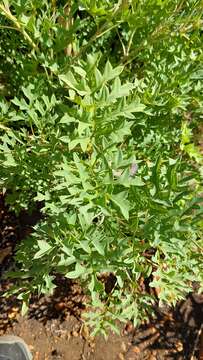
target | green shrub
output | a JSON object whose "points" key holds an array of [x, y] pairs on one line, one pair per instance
{"points": [[98, 103]]}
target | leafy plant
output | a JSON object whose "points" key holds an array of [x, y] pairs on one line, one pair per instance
{"points": [[103, 139]]}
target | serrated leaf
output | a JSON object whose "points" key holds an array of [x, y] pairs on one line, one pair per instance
{"points": [[134, 107], [69, 80], [24, 19], [98, 77], [66, 261], [119, 91], [67, 250], [39, 197], [80, 71], [65, 139], [82, 141], [50, 286], [110, 73], [121, 201], [82, 126], [44, 249], [20, 103], [10, 161], [28, 93], [25, 308], [127, 111], [99, 246], [156, 173], [67, 119], [79, 270], [127, 180], [137, 181], [85, 246]]}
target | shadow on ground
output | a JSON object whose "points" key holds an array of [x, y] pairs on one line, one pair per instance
{"points": [[54, 328]]}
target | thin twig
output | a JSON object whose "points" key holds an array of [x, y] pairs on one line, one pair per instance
{"points": [[3, 127], [18, 26], [130, 42], [153, 36], [198, 246], [97, 35], [8, 27], [68, 24], [122, 44], [197, 339]]}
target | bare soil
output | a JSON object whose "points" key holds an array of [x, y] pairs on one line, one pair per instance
{"points": [[54, 329]]}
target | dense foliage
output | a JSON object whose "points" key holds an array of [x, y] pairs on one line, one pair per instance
{"points": [[99, 102]]}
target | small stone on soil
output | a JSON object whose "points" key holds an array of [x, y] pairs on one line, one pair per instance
{"points": [[123, 347], [136, 349], [121, 356], [75, 334], [179, 346]]}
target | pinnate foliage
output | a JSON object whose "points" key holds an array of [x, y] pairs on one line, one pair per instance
{"points": [[99, 100]]}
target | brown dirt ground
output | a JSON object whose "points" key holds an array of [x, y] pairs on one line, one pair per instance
{"points": [[54, 330]]}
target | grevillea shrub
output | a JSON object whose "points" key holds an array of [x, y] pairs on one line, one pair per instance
{"points": [[99, 103]]}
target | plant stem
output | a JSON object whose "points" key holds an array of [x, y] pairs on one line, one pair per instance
{"points": [[97, 35], [18, 26], [8, 27], [196, 244], [122, 44], [3, 127], [130, 42]]}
